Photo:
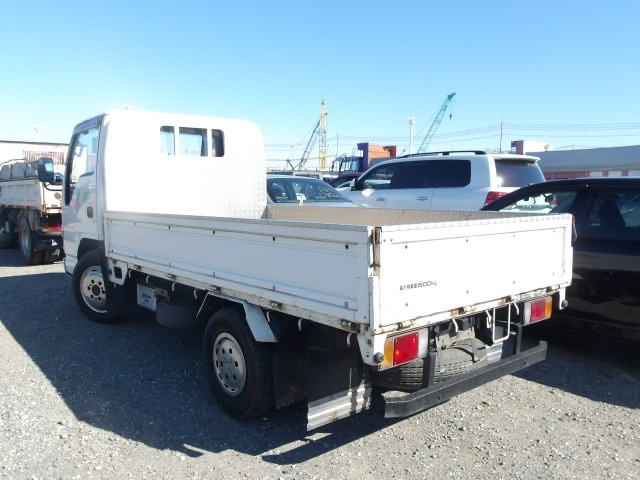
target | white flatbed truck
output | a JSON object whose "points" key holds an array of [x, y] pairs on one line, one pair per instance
{"points": [[168, 212], [30, 211]]}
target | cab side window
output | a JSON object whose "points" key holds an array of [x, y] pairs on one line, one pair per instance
{"points": [[83, 156], [193, 141], [167, 141], [217, 143]]}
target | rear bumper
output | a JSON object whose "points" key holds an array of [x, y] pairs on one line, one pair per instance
{"points": [[429, 397]]}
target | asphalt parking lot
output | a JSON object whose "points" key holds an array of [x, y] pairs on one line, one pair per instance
{"points": [[83, 400]]}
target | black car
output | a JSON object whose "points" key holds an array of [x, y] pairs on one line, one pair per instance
{"points": [[604, 297], [343, 179]]}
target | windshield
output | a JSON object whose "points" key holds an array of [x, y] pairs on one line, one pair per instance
{"points": [[349, 164], [296, 189], [518, 173]]}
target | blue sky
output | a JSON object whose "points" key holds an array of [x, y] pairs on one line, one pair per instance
{"points": [[561, 72]]}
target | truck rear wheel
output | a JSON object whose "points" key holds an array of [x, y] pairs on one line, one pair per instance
{"points": [[30, 255], [238, 369], [90, 289]]}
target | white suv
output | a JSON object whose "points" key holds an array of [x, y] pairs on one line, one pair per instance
{"points": [[443, 180]]}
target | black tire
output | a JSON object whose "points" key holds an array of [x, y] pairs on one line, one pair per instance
{"points": [[238, 369], [29, 254], [90, 289], [8, 237], [410, 376]]}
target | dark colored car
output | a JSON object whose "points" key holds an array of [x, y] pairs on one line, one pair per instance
{"points": [[604, 297], [343, 180]]}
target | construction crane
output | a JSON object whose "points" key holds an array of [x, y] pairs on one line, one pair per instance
{"points": [[320, 130], [435, 124]]}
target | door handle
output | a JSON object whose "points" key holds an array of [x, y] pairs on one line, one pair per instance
{"points": [[422, 199], [90, 212], [380, 199]]}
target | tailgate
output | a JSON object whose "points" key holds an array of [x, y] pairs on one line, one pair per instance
{"points": [[433, 268]]}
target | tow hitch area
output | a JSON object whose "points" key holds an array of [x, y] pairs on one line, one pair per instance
{"points": [[402, 406]]}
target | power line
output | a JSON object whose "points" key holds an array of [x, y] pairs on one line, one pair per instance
{"points": [[550, 131], [597, 126]]}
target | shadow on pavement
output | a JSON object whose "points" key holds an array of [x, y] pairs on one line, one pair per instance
{"points": [[599, 371], [145, 383]]}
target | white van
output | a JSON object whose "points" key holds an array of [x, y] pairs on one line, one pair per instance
{"points": [[443, 180]]}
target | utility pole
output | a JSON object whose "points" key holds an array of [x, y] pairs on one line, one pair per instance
{"points": [[412, 123]]}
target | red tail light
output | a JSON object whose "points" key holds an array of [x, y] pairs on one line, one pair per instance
{"points": [[493, 196], [405, 348], [538, 310], [400, 349], [52, 228]]}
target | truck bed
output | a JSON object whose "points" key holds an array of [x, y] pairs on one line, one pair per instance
{"points": [[29, 193], [378, 268]]}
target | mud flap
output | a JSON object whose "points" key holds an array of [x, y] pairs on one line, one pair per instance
{"points": [[339, 384], [290, 371], [121, 301]]}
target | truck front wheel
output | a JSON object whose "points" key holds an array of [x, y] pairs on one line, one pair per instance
{"points": [[90, 290], [30, 255], [238, 369]]}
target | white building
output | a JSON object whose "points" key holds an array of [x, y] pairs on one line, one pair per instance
{"points": [[593, 162], [10, 150]]}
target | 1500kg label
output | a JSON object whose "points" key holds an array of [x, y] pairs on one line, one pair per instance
{"points": [[428, 283]]}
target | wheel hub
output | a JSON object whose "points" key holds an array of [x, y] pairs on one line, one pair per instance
{"points": [[93, 289], [229, 364], [25, 241]]}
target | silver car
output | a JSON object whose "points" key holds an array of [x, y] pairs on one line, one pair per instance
{"points": [[298, 190]]}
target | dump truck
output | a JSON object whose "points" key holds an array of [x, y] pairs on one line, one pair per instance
{"points": [[31, 210]]}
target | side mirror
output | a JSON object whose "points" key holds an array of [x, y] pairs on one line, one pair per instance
{"points": [[45, 170], [354, 184]]}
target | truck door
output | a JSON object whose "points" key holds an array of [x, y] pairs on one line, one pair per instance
{"points": [[79, 213]]}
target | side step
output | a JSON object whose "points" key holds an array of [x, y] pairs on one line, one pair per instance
{"points": [[335, 407]]}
